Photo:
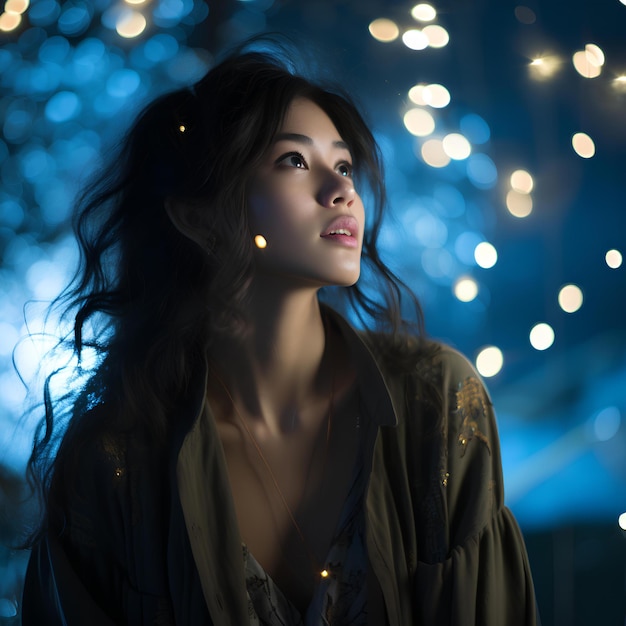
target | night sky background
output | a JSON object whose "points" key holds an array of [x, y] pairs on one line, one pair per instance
{"points": [[73, 74]]}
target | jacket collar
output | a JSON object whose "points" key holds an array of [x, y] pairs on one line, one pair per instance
{"points": [[374, 387]]}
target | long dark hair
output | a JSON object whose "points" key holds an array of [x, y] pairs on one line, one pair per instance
{"points": [[158, 298]]}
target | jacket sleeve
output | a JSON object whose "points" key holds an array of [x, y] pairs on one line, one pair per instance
{"points": [[76, 572], [476, 571]]}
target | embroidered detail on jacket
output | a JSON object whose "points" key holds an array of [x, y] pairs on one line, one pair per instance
{"points": [[470, 405]]}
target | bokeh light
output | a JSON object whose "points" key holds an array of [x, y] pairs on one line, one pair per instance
{"points": [[570, 298], [130, 24], [522, 181], [415, 39], [435, 95], [486, 255], [544, 67], [456, 146], [384, 30], [419, 122], [465, 288], [489, 361], [613, 259], [9, 21], [424, 12], [519, 204], [583, 145], [541, 336], [260, 241], [586, 64], [438, 36], [433, 153], [622, 518], [594, 54]]}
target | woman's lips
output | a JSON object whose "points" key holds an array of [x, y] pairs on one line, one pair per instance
{"points": [[343, 230]]}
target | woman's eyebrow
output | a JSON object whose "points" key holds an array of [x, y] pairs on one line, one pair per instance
{"points": [[305, 139]]}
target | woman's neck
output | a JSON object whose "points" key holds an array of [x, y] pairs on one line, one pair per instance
{"points": [[277, 368]]}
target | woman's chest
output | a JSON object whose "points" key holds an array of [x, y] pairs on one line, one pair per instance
{"points": [[288, 502]]}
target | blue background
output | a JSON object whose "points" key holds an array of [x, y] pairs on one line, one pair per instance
{"points": [[70, 84]]}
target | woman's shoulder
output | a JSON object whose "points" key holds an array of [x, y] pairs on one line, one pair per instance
{"points": [[434, 361]]}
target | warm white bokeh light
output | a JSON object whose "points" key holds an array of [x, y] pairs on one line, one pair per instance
{"points": [[260, 241], [415, 39], [16, 6], [519, 204], [613, 259], [438, 36], [619, 83], [594, 55], [9, 21], [522, 181], [424, 12], [489, 361], [544, 67], [130, 24], [622, 517], [584, 66], [583, 145], [465, 288], [433, 153], [436, 96], [384, 30], [485, 255], [456, 146], [416, 94], [541, 336], [570, 298], [419, 122]]}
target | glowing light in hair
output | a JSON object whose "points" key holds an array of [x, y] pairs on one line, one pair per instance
{"points": [[260, 241]]}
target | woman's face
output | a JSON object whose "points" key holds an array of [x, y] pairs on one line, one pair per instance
{"points": [[303, 202]]}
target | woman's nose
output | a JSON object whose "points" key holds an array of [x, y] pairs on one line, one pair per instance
{"points": [[337, 191]]}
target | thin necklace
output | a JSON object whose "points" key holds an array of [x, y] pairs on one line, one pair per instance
{"points": [[324, 573]]}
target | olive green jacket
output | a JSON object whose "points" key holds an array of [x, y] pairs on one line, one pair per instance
{"points": [[141, 534]]}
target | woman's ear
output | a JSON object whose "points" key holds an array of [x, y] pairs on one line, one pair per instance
{"points": [[186, 219]]}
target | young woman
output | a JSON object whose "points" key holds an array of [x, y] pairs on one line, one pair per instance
{"points": [[242, 455]]}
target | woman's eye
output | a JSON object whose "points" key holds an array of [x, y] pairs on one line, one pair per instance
{"points": [[345, 169], [293, 159]]}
